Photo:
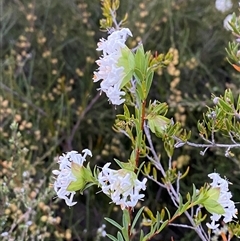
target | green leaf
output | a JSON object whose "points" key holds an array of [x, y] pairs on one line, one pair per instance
{"points": [[150, 214], [125, 233], [126, 111], [158, 124], [194, 193], [155, 173], [126, 221], [83, 176], [114, 223], [168, 213], [159, 220], [202, 129], [125, 165], [149, 79], [121, 117], [180, 201], [225, 106], [139, 139], [228, 96], [120, 164], [211, 203], [213, 206], [111, 237], [162, 215], [140, 168], [132, 159], [128, 63], [169, 148], [164, 224], [140, 92], [188, 135], [147, 60], [136, 218], [160, 108], [214, 193], [126, 218], [228, 124], [238, 103], [185, 207], [119, 236], [139, 75], [151, 125], [188, 197], [140, 59], [141, 235]]}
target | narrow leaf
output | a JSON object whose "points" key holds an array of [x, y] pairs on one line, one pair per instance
{"points": [[119, 236], [111, 237], [114, 223], [136, 218]]}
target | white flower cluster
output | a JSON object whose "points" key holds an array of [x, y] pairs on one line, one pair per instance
{"points": [[122, 186], [223, 5], [109, 70], [65, 175], [226, 21], [101, 231], [224, 200]]}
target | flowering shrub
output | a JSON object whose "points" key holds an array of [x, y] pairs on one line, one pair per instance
{"points": [[120, 67], [112, 67], [157, 186]]}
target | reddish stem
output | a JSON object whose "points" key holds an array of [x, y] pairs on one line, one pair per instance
{"points": [[137, 160], [142, 123]]}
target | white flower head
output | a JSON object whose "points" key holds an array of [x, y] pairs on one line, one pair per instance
{"points": [[101, 231], [226, 21], [122, 186], [72, 174], [224, 200], [223, 5], [111, 67], [4, 234]]}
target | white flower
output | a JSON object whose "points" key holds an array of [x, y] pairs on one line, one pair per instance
{"points": [[109, 70], [122, 186], [226, 21], [216, 100], [65, 174], [4, 234], [114, 42], [224, 200], [223, 5], [101, 231]]}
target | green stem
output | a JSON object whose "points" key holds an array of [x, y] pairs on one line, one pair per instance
{"points": [[129, 225]]}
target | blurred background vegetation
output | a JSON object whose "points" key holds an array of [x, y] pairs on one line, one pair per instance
{"points": [[48, 53]]}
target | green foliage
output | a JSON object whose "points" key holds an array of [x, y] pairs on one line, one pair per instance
{"points": [[127, 61], [49, 105]]}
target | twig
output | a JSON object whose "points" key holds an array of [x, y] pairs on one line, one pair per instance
{"points": [[235, 145], [181, 225], [171, 191], [231, 137], [154, 180]]}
